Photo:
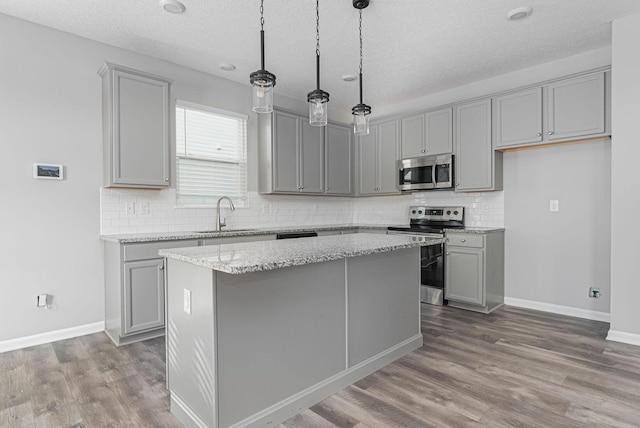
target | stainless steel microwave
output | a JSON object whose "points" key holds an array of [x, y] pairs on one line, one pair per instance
{"points": [[426, 173]]}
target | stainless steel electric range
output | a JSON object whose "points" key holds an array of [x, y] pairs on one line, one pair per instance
{"points": [[431, 222]]}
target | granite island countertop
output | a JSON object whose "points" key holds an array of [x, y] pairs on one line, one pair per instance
{"points": [[176, 236], [269, 255]]}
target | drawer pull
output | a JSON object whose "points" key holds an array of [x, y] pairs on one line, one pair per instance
{"points": [[463, 240]]}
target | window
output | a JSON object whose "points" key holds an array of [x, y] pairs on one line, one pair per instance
{"points": [[211, 155]]}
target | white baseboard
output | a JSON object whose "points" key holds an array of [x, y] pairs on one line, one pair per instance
{"points": [[558, 309], [621, 336], [50, 336]]}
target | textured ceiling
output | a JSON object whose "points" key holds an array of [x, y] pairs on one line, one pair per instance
{"points": [[411, 47]]}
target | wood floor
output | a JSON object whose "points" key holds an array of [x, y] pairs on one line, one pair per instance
{"points": [[514, 367]]}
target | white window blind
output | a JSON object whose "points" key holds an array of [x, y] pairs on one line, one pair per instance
{"points": [[211, 155]]}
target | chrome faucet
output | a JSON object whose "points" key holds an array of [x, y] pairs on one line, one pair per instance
{"points": [[221, 224]]}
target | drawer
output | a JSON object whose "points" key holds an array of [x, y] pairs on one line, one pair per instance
{"points": [[237, 239], [149, 250], [465, 240]]}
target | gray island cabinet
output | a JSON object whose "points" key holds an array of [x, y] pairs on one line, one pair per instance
{"points": [[257, 332]]}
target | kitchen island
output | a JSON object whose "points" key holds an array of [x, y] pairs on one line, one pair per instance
{"points": [[258, 331]]}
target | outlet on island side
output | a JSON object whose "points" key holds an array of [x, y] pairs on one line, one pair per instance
{"points": [[41, 300], [594, 292], [187, 301]]}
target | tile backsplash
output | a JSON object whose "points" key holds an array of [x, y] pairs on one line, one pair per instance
{"points": [[155, 210]]}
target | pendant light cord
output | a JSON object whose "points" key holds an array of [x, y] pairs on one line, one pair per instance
{"points": [[360, 56], [262, 34], [317, 44]]}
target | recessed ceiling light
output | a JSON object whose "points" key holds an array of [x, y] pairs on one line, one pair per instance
{"points": [[349, 77], [519, 13], [227, 67], [172, 6]]}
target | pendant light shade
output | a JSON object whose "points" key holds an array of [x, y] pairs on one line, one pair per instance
{"points": [[318, 99], [262, 81], [361, 111]]}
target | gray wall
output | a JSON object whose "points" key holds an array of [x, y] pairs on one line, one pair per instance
{"points": [[50, 111], [554, 257], [625, 235]]}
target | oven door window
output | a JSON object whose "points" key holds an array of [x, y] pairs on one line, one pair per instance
{"points": [[417, 175], [443, 174]]}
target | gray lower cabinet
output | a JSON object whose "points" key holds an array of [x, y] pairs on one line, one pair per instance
{"points": [[563, 110], [377, 156], [135, 290], [474, 270], [477, 166], [135, 111], [143, 297]]}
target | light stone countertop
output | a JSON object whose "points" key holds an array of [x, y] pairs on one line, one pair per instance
{"points": [[269, 255], [175, 236]]}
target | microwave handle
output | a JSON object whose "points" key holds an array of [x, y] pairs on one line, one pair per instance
{"points": [[433, 174]]}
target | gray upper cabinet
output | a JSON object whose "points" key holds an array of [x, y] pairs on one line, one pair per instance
{"points": [[576, 107], [338, 160], [519, 118], [563, 110], [311, 158], [286, 155], [478, 166], [377, 156], [295, 157], [428, 133], [136, 127]]}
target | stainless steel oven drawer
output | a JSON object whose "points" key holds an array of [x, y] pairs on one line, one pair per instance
{"points": [[465, 240]]}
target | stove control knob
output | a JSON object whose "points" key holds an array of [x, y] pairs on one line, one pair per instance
{"points": [[413, 212], [419, 212], [448, 212], [455, 213]]}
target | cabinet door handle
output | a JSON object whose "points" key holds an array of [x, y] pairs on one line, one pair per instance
{"points": [[447, 254], [550, 132], [457, 184], [161, 267], [539, 134], [463, 240], [166, 179]]}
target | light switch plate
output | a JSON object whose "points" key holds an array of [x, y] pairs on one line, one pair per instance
{"points": [[187, 301], [554, 205]]}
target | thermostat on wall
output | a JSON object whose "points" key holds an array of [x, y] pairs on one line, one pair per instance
{"points": [[48, 171]]}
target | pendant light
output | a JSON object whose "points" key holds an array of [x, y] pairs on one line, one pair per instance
{"points": [[262, 81], [318, 98], [361, 111]]}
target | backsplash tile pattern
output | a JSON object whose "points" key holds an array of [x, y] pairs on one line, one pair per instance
{"points": [[482, 209]]}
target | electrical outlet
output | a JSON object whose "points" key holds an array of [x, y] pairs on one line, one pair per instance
{"points": [[144, 208], [187, 301], [131, 207], [594, 292], [41, 300], [554, 205]]}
